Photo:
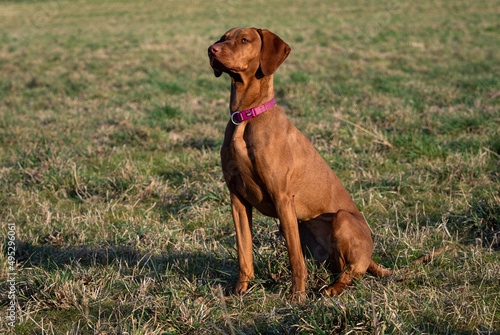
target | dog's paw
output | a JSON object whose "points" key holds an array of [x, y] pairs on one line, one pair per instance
{"points": [[332, 290], [241, 287], [298, 297]]}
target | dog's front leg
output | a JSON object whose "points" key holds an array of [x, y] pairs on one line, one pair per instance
{"points": [[290, 229], [242, 216]]}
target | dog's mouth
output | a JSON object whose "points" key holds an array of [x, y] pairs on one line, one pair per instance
{"points": [[217, 64], [214, 62]]}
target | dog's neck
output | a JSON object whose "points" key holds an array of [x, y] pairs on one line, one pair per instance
{"points": [[251, 92]]}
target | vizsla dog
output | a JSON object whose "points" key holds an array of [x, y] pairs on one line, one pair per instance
{"points": [[270, 165]]}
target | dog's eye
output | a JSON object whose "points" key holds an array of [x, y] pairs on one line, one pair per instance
{"points": [[244, 40]]}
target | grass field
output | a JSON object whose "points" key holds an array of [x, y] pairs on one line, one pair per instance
{"points": [[110, 127]]}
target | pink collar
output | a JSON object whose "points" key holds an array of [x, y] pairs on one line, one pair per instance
{"points": [[239, 117]]}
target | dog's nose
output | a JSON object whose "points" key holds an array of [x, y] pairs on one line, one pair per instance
{"points": [[214, 49]]}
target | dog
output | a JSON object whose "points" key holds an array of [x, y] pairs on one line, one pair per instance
{"points": [[268, 164]]}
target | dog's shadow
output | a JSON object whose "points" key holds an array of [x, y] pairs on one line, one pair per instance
{"points": [[200, 267]]}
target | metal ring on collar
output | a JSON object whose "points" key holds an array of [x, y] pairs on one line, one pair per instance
{"points": [[232, 119]]}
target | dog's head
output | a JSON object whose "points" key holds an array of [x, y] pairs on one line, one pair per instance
{"points": [[249, 51]]}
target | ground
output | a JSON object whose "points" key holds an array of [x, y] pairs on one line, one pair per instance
{"points": [[110, 125]]}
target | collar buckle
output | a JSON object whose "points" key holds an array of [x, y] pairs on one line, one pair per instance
{"points": [[232, 119]]}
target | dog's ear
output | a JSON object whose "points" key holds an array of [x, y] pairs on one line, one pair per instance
{"points": [[274, 52]]}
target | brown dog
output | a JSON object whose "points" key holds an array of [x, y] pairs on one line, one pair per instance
{"points": [[270, 165]]}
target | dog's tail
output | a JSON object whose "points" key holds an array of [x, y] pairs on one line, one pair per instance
{"points": [[377, 270], [423, 259], [429, 257]]}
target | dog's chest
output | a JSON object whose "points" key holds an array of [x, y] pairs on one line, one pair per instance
{"points": [[239, 165]]}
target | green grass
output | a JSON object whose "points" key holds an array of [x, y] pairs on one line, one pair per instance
{"points": [[110, 126]]}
